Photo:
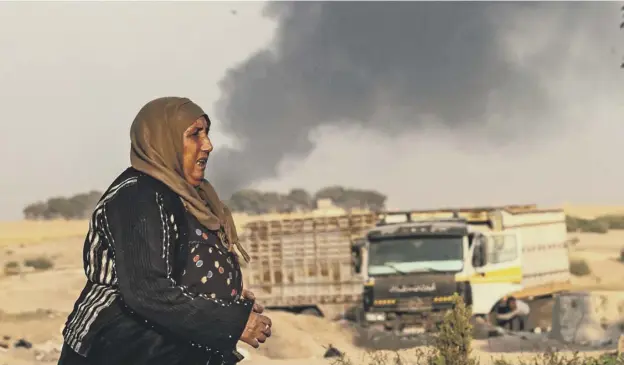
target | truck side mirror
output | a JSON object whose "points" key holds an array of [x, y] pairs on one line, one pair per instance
{"points": [[478, 257]]}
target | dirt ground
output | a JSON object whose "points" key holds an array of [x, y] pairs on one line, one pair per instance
{"points": [[34, 305]]}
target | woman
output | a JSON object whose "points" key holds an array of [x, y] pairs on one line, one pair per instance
{"points": [[164, 284]]}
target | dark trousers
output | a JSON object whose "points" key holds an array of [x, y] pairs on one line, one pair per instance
{"points": [[123, 357], [126, 341], [517, 323]]}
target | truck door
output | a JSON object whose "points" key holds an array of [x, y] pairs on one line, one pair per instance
{"points": [[498, 269]]}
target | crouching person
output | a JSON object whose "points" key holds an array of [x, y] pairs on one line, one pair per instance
{"points": [[513, 314]]}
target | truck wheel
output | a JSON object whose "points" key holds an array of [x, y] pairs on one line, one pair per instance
{"points": [[311, 312]]}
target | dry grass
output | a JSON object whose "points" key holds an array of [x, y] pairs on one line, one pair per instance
{"points": [[452, 346], [12, 268], [37, 231], [428, 357], [26, 232], [39, 263], [243, 218], [592, 211]]}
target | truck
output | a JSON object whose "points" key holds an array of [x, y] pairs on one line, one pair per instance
{"points": [[414, 262], [304, 263]]}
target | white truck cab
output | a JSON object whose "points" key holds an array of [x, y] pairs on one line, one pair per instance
{"points": [[484, 254]]}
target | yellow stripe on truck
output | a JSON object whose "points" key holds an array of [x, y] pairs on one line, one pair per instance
{"points": [[511, 275]]}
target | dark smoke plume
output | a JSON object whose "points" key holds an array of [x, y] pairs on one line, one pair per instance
{"points": [[385, 65]]}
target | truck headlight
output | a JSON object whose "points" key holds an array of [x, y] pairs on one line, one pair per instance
{"points": [[375, 317]]}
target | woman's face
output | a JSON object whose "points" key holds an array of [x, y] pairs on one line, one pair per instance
{"points": [[197, 147]]}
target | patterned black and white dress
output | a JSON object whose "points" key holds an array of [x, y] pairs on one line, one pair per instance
{"points": [[160, 289], [211, 270]]}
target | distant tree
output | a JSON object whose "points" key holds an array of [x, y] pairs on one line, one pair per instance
{"points": [[272, 203], [353, 198], [78, 206], [59, 207], [250, 201], [299, 200], [257, 202], [83, 204], [334, 193], [35, 211]]}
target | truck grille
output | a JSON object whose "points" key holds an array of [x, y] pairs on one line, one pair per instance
{"points": [[415, 303]]}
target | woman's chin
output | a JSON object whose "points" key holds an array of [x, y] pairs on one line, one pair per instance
{"points": [[197, 177]]}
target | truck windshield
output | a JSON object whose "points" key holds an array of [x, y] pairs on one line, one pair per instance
{"points": [[416, 254]]}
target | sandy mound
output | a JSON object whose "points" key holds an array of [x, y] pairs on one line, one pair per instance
{"points": [[299, 337]]}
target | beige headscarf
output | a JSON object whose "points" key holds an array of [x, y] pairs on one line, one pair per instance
{"points": [[157, 150]]}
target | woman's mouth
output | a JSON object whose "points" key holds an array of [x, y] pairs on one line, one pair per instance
{"points": [[202, 162]]}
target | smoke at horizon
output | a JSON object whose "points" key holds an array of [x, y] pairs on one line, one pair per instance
{"points": [[393, 67]]}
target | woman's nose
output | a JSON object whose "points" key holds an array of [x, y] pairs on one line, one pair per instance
{"points": [[207, 145]]}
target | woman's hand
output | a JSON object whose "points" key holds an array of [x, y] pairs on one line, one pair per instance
{"points": [[257, 330], [249, 295]]}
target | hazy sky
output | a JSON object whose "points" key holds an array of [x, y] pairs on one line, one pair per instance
{"points": [[488, 104]]}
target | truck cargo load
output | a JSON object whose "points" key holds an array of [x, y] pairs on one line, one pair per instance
{"points": [[305, 263]]}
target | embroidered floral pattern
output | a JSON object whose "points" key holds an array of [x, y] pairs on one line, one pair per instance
{"points": [[209, 255]]}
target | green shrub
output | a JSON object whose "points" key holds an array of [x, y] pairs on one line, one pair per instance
{"points": [[594, 226], [572, 223], [379, 358], [452, 342], [598, 225], [579, 267], [554, 358], [11, 268], [612, 221], [39, 263]]}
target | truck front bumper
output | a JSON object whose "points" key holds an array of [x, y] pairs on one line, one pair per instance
{"points": [[404, 322]]}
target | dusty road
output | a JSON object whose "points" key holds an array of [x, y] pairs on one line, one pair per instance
{"points": [[34, 305]]}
